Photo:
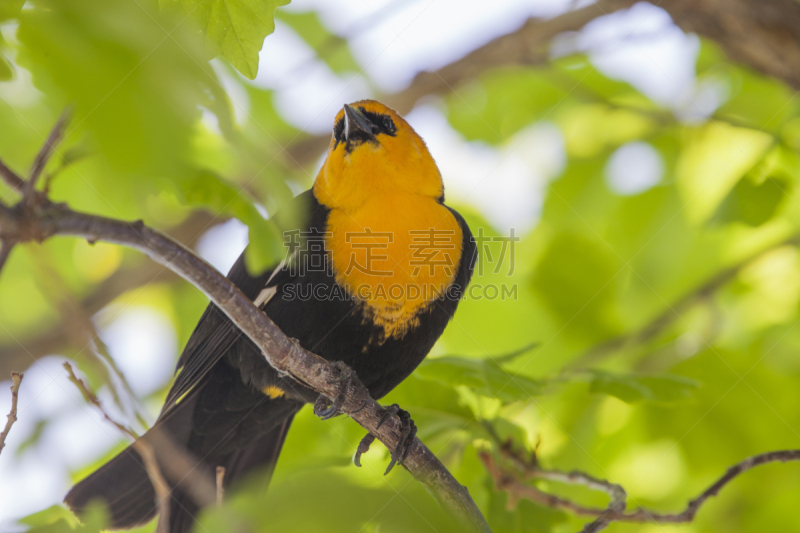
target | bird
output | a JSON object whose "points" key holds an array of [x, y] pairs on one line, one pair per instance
{"points": [[375, 268]]}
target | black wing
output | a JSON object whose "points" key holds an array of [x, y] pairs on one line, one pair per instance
{"points": [[215, 334]]}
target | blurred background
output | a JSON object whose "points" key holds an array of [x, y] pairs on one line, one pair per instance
{"points": [[642, 329]]}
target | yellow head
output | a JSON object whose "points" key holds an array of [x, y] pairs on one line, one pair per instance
{"points": [[385, 197], [374, 151]]}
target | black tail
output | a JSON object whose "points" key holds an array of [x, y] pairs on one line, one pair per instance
{"points": [[261, 455], [123, 485], [224, 423]]}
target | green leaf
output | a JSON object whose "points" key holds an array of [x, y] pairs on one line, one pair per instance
{"points": [[436, 408], [484, 376], [331, 48], [133, 75], [51, 515], [10, 8], [59, 519], [522, 517], [630, 388], [709, 57], [752, 203], [583, 75], [32, 439], [340, 505], [714, 158], [514, 354], [502, 102], [578, 279], [503, 430], [759, 101], [757, 197], [234, 29], [202, 188]]}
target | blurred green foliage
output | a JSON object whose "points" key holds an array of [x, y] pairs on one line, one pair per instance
{"points": [[661, 406], [234, 30], [329, 47]]}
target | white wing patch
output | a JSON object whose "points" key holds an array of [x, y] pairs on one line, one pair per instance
{"points": [[265, 295], [268, 292]]}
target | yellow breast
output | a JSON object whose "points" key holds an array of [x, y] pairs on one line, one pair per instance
{"points": [[395, 254]]}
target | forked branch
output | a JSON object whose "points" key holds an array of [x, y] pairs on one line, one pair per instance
{"points": [[513, 480], [16, 380]]}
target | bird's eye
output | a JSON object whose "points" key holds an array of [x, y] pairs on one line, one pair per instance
{"points": [[388, 124]]}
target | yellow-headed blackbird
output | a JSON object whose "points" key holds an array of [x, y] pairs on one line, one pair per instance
{"points": [[375, 273]]}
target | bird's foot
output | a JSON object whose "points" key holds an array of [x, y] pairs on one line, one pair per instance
{"points": [[363, 447], [325, 407], [408, 430]]}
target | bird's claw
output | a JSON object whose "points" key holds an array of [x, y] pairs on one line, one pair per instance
{"points": [[326, 408], [408, 430], [363, 447]]}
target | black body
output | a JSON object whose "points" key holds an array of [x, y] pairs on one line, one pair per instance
{"points": [[216, 408]]}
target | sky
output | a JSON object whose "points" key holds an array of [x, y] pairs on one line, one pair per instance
{"points": [[392, 41]]}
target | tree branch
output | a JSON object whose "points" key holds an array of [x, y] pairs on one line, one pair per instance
{"points": [[48, 219], [513, 483], [16, 380], [529, 468], [44, 156], [526, 46], [55, 337], [764, 35], [18, 184], [11, 178]]}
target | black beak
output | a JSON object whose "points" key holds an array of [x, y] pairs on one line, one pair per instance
{"points": [[357, 127]]}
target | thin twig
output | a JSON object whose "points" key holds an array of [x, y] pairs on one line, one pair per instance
{"points": [[53, 338], [11, 178], [618, 497], [144, 448], [16, 379], [162, 489], [529, 468], [617, 494], [518, 490], [82, 331], [220, 485], [91, 398], [44, 155]]}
